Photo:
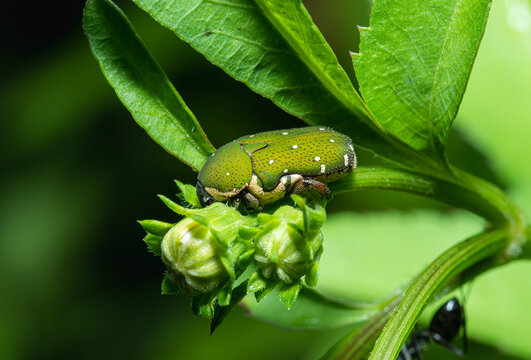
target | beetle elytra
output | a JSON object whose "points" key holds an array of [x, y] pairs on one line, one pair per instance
{"points": [[262, 168]]}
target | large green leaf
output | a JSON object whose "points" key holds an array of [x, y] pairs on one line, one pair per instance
{"points": [[414, 64], [310, 311], [277, 51], [295, 25], [141, 84]]}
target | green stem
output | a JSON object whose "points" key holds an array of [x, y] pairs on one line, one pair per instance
{"points": [[510, 213], [358, 343], [505, 241], [510, 216], [431, 280], [461, 190]]}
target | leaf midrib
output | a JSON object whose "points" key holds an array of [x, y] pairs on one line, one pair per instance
{"points": [[437, 73], [323, 76]]}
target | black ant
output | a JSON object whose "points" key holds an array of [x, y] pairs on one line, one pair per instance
{"points": [[444, 327]]}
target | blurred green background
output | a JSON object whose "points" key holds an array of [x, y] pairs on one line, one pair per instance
{"points": [[77, 281]]}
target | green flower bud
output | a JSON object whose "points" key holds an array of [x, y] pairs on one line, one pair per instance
{"points": [[290, 242], [192, 256], [206, 251]]}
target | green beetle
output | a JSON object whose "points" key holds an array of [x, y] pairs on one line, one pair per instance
{"points": [[260, 169]]}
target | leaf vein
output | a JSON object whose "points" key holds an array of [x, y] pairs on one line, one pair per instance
{"points": [[231, 4], [438, 69], [406, 69], [420, 134]]}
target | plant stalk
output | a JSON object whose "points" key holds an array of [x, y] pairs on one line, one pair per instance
{"points": [[451, 263], [462, 190], [503, 241]]}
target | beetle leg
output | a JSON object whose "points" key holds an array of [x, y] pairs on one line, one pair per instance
{"points": [[442, 341], [251, 201], [234, 202], [304, 185]]}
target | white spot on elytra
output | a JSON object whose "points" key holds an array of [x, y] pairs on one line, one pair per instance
{"points": [[332, 140], [251, 136], [346, 159], [285, 170], [294, 146], [284, 133], [271, 162], [322, 129], [323, 168], [317, 158], [227, 174]]}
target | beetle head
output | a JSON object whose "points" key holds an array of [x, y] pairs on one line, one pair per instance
{"points": [[204, 197]]}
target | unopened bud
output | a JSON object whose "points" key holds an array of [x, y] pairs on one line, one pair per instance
{"points": [[284, 250], [192, 256]]}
